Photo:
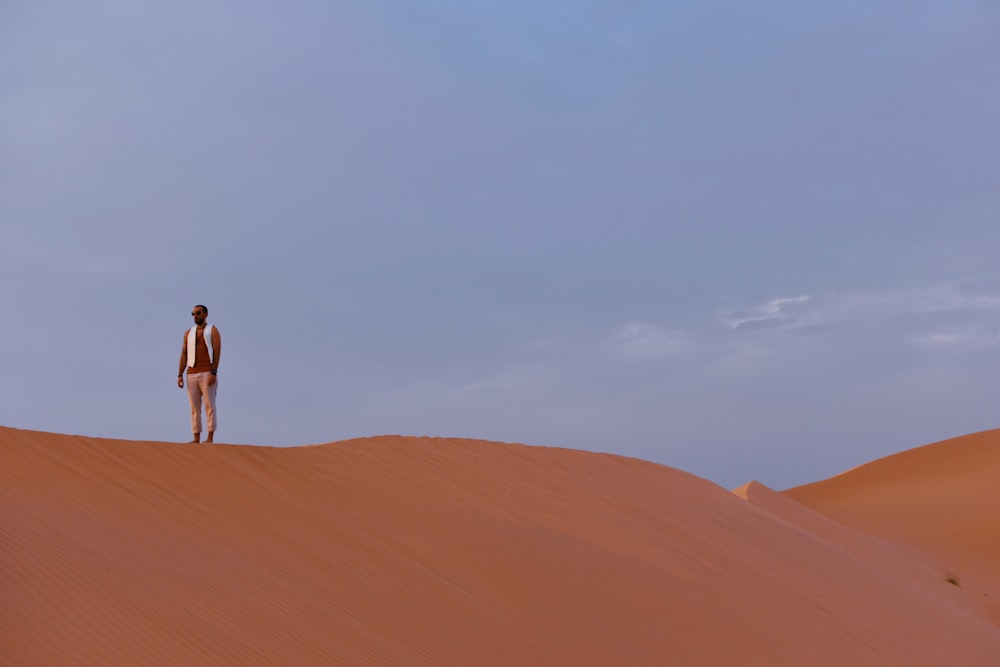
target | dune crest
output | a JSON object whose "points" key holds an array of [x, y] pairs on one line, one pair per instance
{"points": [[432, 551], [943, 498]]}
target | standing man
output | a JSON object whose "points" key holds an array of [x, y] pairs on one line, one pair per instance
{"points": [[200, 354]]}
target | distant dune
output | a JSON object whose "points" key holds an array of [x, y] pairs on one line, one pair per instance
{"points": [[420, 551], [942, 498]]}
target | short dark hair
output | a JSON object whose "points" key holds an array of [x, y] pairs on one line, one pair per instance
{"points": [[205, 308]]}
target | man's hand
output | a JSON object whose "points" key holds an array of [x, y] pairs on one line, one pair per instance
{"points": [[180, 381], [211, 381]]}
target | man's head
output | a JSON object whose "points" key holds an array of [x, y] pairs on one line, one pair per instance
{"points": [[199, 313]]}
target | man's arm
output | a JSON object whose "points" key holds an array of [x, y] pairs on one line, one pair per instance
{"points": [[183, 363], [217, 352], [216, 347]]}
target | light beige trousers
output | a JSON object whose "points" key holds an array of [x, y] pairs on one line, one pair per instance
{"points": [[198, 391]]}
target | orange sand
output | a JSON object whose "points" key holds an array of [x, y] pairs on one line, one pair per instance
{"points": [[943, 499], [419, 551]]}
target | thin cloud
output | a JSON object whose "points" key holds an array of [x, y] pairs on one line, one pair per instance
{"points": [[950, 297], [867, 307], [771, 313], [642, 340], [943, 338], [961, 339]]}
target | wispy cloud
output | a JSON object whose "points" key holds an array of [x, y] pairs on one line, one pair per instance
{"points": [[965, 338], [915, 310], [942, 339], [774, 312], [951, 297], [642, 340]]}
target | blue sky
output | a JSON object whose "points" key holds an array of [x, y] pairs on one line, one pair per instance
{"points": [[749, 242]]}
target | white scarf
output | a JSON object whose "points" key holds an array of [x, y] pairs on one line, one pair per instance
{"points": [[193, 343]]}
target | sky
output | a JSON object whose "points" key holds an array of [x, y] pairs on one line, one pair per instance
{"points": [[746, 240]]}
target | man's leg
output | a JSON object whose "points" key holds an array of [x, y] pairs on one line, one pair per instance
{"points": [[194, 397], [209, 393]]}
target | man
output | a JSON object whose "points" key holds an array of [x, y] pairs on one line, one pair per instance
{"points": [[200, 354]]}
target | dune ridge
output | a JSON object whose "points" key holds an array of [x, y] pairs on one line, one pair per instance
{"points": [[943, 498], [430, 551]]}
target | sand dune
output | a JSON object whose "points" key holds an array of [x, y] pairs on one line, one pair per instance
{"points": [[943, 499], [420, 551]]}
